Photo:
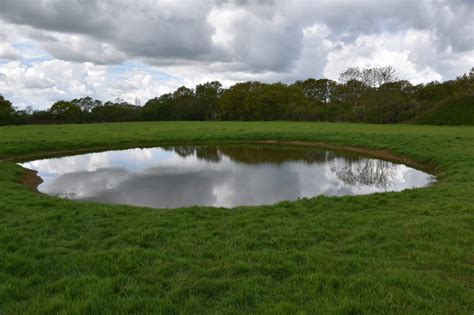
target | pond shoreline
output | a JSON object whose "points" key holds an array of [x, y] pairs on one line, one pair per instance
{"points": [[32, 180]]}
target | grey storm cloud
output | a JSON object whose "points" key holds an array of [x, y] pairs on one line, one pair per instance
{"points": [[255, 36], [143, 30]]}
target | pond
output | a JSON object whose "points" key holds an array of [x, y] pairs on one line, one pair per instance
{"points": [[222, 176]]}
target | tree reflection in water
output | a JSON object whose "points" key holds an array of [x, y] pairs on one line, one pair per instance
{"points": [[376, 173], [351, 170], [253, 154]]}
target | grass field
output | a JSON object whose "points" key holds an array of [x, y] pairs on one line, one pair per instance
{"points": [[404, 253]]}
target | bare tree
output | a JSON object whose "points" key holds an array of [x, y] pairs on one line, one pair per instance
{"points": [[352, 73], [372, 77], [365, 172], [386, 75]]}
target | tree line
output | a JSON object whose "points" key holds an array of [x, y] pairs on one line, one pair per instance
{"points": [[371, 95]]}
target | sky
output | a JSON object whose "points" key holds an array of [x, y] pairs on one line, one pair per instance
{"points": [[137, 50]]}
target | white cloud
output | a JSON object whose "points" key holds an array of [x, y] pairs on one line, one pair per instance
{"points": [[403, 51], [9, 52], [44, 82], [80, 48]]}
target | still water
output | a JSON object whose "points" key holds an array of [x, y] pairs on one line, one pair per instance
{"points": [[224, 176]]}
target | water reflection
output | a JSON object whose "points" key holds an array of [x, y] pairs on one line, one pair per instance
{"points": [[368, 172], [219, 175]]}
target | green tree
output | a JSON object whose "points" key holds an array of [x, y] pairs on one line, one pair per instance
{"points": [[6, 110], [232, 102], [207, 97], [114, 112], [86, 104], [276, 102], [320, 91], [390, 103], [159, 108], [185, 105], [67, 111], [432, 92], [350, 93]]}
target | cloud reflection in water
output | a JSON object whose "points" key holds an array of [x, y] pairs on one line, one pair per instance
{"points": [[219, 175]]}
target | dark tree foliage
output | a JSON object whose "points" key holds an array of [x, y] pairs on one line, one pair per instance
{"points": [[388, 104], [207, 98], [281, 102], [185, 104], [6, 110], [321, 91], [65, 111], [372, 95], [114, 112], [86, 104], [158, 108], [258, 101], [231, 103]]}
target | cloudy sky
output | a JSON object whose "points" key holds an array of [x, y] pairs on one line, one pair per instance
{"points": [[51, 50]]}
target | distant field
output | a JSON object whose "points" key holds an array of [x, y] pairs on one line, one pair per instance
{"points": [[408, 252]]}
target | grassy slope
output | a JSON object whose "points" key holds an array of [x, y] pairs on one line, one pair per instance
{"points": [[453, 111], [402, 252]]}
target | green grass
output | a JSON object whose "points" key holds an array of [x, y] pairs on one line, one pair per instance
{"points": [[408, 252]]}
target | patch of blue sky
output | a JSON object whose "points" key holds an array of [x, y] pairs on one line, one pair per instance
{"points": [[30, 61], [31, 52], [131, 65]]}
